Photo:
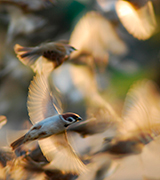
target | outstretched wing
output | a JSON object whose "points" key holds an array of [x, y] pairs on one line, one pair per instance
{"points": [[141, 108], [41, 103], [141, 23], [58, 151]]}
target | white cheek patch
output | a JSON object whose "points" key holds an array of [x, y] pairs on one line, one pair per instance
{"points": [[70, 120]]}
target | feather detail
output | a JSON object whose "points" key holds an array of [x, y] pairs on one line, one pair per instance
{"points": [[41, 102], [141, 23], [61, 155], [27, 55], [18, 142]]}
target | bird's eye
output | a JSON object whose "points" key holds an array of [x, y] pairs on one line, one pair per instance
{"points": [[70, 119]]}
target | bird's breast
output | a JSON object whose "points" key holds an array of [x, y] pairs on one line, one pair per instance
{"points": [[54, 57]]}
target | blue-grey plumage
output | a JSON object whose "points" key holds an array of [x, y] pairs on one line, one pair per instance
{"points": [[140, 123], [49, 127]]}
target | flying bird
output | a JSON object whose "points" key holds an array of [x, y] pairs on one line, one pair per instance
{"points": [[137, 17], [94, 36], [139, 126], [49, 122], [46, 56], [100, 113], [140, 123]]}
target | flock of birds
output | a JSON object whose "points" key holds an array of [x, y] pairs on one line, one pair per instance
{"points": [[104, 137]]}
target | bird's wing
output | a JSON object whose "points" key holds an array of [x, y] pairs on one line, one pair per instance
{"points": [[141, 108], [3, 121], [58, 151], [97, 37], [141, 23], [41, 103]]}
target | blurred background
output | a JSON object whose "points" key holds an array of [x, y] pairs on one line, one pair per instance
{"points": [[119, 57]]}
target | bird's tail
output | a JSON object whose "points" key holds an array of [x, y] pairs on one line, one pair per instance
{"points": [[18, 142], [27, 55]]}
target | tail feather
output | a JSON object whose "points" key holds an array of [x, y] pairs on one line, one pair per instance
{"points": [[18, 142], [27, 55]]}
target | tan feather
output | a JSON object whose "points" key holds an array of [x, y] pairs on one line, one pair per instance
{"points": [[18, 142], [41, 102], [97, 38], [141, 23], [141, 109], [61, 155]]}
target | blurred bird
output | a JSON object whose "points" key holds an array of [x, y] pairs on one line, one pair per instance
{"points": [[141, 122], [16, 170], [100, 113], [99, 168], [48, 121], [138, 17], [97, 39], [44, 57], [139, 127]]}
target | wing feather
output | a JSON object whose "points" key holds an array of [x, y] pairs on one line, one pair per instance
{"points": [[61, 155], [141, 23], [141, 108], [41, 102]]}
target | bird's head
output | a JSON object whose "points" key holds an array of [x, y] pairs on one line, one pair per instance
{"points": [[70, 118]]}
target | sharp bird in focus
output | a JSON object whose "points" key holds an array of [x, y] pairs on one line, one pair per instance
{"points": [[49, 126]]}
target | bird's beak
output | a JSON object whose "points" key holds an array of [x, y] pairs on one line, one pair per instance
{"points": [[74, 49], [79, 119]]}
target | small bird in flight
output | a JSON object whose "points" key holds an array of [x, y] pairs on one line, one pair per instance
{"points": [[46, 56], [50, 124]]}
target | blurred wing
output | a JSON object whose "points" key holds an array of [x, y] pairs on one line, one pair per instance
{"points": [[41, 103], [97, 37], [3, 121], [140, 106], [141, 23], [61, 155]]}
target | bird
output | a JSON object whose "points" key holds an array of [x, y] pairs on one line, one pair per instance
{"points": [[99, 112], [49, 122], [140, 123], [46, 56], [45, 128], [137, 17], [98, 39]]}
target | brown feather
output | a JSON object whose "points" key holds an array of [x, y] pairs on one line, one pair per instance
{"points": [[18, 142], [27, 55]]}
